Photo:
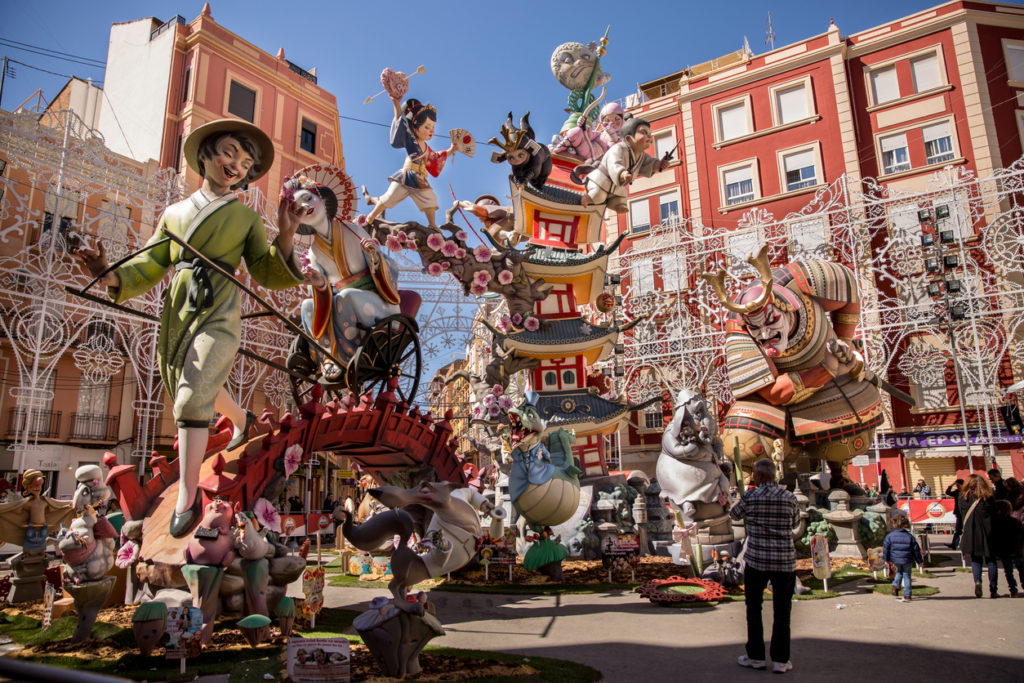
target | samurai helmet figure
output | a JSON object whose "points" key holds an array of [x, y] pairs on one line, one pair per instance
{"points": [[768, 314]]}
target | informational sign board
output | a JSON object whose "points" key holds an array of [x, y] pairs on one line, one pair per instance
{"points": [[184, 628], [313, 589], [319, 660], [822, 567]]}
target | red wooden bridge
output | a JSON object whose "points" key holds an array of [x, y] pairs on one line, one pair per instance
{"points": [[381, 434]]}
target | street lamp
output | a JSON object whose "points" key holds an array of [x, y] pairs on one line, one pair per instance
{"points": [[954, 310]]}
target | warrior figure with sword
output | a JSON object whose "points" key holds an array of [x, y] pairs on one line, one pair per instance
{"points": [[794, 366], [202, 241]]}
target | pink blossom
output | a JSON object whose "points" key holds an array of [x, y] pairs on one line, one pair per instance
{"points": [[267, 515], [505, 277], [460, 253], [435, 242], [497, 390], [461, 235], [449, 248], [127, 555], [481, 277], [493, 411], [478, 412], [445, 265], [292, 459], [478, 290], [402, 236], [517, 318], [435, 269], [503, 325], [482, 254], [505, 403], [393, 243], [488, 400], [532, 324]]}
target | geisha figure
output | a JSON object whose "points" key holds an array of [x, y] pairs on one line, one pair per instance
{"points": [[412, 128], [610, 122]]}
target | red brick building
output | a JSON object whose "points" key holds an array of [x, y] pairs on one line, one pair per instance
{"points": [[776, 147]]}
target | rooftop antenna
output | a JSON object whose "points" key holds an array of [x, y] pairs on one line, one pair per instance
{"points": [[770, 33]]}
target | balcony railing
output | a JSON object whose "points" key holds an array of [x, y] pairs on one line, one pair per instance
{"points": [[92, 427], [41, 424]]}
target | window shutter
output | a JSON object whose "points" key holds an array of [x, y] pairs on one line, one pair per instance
{"points": [[936, 132], [894, 142], [792, 104], [926, 72], [795, 162], [733, 121], [884, 83]]}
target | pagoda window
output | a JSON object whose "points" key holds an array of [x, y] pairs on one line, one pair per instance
{"points": [[569, 380], [556, 230], [550, 379], [559, 302]]}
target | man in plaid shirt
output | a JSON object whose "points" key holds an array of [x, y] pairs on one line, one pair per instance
{"points": [[770, 513]]}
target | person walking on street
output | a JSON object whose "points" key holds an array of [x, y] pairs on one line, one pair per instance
{"points": [[998, 486], [770, 513], [1015, 494], [1008, 544], [976, 505], [953, 491], [902, 549]]}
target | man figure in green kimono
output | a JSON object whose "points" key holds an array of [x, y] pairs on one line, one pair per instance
{"points": [[200, 324]]}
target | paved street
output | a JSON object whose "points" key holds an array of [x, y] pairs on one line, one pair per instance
{"points": [[948, 636]]}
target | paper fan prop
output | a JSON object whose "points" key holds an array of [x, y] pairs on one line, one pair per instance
{"points": [[463, 141], [339, 183]]}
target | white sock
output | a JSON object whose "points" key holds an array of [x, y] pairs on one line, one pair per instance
{"points": [[191, 450]]}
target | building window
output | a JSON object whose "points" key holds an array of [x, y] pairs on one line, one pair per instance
{"points": [[808, 236], [668, 208], [1020, 128], [642, 275], [664, 143], [113, 226], [184, 83], [672, 272], [568, 379], [639, 216], [894, 153], [550, 379], [938, 143], [308, 138], [739, 185], [926, 72], [742, 245], [884, 86], [242, 102], [653, 418], [732, 121], [177, 154], [1014, 53], [800, 169], [791, 103]]}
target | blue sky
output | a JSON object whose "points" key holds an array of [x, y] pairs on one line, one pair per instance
{"points": [[482, 58]]}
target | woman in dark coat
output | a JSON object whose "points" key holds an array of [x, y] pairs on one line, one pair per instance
{"points": [[976, 508]]}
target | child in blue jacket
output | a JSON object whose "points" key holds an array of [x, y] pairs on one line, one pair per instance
{"points": [[901, 548]]}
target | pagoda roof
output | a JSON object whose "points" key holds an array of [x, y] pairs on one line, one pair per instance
{"points": [[582, 410], [562, 337], [553, 256]]}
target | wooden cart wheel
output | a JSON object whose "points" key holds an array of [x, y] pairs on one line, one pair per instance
{"points": [[391, 348], [301, 361]]}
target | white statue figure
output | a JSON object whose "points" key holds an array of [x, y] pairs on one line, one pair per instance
{"points": [[690, 467]]}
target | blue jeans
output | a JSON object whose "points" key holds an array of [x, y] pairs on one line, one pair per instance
{"points": [[993, 571], [903, 575], [1009, 564]]}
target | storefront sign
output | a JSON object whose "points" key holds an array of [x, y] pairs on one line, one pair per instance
{"points": [[941, 439]]}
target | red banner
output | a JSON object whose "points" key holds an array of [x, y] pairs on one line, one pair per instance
{"points": [[937, 511]]}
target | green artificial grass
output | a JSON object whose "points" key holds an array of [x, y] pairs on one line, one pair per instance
{"points": [[547, 669]]}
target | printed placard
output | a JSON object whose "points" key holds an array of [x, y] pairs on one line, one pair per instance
{"points": [[319, 660], [820, 557], [49, 594], [313, 589], [184, 628]]}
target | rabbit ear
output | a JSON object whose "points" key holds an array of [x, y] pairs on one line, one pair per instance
{"points": [[238, 506]]}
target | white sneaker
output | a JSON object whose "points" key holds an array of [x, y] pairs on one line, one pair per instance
{"points": [[904, 599], [746, 661], [781, 667]]}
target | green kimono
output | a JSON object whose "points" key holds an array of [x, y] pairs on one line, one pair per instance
{"points": [[201, 322]]}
